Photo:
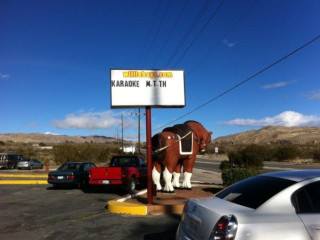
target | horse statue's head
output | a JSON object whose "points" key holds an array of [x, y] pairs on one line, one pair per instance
{"points": [[204, 136], [204, 140]]}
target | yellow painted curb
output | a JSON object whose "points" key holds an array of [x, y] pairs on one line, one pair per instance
{"points": [[127, 208], [26, 182], [24, 175]]}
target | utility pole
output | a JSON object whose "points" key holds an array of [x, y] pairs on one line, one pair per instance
{"points": [[139, 117]]}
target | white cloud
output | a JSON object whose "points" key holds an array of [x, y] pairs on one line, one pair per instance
{"points": [[286, 119], [94, 120], [228, 43], [50, 133], [314, 95], [3, 76], [276, 85]]}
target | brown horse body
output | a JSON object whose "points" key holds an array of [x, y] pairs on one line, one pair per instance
{"points": [[169, 159]]}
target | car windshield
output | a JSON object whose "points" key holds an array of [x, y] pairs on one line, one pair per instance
{"points": [[25, 160], [123, 162], [253, 192], [70, 167]]}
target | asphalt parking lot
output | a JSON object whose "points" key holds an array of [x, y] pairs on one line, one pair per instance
{"points": [[40, 212]]}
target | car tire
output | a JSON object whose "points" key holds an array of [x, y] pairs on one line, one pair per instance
{"points": [[31, 167], [131, 186]]}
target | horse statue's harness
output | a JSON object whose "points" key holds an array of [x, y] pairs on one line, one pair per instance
{"points": [[177, 136]]}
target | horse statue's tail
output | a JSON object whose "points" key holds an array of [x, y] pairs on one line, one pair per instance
{"points": [[158, 142]]}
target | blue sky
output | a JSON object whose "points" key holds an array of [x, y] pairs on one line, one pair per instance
{"points": [[56, 56]]}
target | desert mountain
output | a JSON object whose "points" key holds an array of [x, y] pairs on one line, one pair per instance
{"points": [[295, 135], [51, 138]]}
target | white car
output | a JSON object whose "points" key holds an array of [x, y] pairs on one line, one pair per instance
{"points": [[29, 164], [278, 205]]}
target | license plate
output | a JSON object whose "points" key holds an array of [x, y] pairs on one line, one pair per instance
{"points": [[105, 182], [60, 177]]}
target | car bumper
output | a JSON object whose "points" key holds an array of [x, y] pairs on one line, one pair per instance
{"points": [[63, 181], [106, 182]]}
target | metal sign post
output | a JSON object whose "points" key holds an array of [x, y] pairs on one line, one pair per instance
{"points": [[149, 154]]}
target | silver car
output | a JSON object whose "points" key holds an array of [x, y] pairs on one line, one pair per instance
{"points": [[277, 205], [29, 164]]}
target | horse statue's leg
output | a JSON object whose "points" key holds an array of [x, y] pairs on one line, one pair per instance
{"points": [[156, 175], [187, 180], [176, 176], [167, 177], [187, 172], [176, 180]]}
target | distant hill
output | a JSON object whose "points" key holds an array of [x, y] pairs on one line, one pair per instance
{"points": [[51, 138], [266, 135]]}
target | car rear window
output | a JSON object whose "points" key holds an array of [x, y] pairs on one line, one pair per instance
{"points": [[253, 192], [70, 167], [124, 162]]}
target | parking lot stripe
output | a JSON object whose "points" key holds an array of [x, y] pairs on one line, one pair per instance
{"points": [[26, 182], [24, 175]]}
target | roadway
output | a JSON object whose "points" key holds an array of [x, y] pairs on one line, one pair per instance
{"points": [[213, 164]]}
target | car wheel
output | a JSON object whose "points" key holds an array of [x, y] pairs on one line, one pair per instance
{"points": [[131, 186], [31, 167]]}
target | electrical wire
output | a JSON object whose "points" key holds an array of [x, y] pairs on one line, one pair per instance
{"points": [[149, 34], [201, 31], [190, 29], [223, 37], [171, 32], [242, 82], [157, 32]]}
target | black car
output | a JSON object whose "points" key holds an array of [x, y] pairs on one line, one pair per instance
{"points": [[71, 173]]}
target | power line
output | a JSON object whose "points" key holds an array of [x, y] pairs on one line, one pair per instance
{"points": [[224, 36], [158, 30], [244, 81], [201, 31], [149, 34], [171, 32], [190, 29]]}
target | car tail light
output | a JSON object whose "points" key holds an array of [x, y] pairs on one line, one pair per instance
{"points": [[70, 177], [225, 229], [51, 177]]}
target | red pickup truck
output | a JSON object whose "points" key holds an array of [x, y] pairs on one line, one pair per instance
{"points": [[126, 170]]}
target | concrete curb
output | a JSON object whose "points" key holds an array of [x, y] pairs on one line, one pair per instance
{"points": [[25, 182], [12, 179], [24, 175], [120, 206]]}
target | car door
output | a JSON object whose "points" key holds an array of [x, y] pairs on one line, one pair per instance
{"points": [[308, 208]]}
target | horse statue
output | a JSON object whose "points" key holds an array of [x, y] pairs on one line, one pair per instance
{"points": [[175, 148]]}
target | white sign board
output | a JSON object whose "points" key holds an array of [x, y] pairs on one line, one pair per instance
{"points": [[142, 88]]}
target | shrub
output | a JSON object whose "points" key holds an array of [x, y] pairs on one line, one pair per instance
{"points": [[233, 175], [249, 157], [70, 152], [316, 155], [224, 165], [286, 152]]}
